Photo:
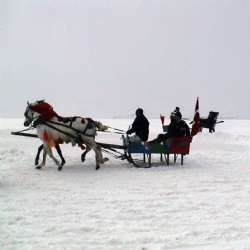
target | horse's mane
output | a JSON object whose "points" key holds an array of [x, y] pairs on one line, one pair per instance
{"points": [[43, 108]]}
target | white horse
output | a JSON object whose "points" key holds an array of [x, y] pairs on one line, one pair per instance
{"points": [[81, 130]]}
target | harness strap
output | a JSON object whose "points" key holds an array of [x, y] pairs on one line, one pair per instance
{"points": [[86, 126], [63, 132], [66, 126]]}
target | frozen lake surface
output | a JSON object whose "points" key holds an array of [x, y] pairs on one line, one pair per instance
{"points": [[204, 204]]}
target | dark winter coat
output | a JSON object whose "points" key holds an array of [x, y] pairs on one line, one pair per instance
{"points": [[177, 129], [172, 127], [182, 129], [140, 127]]}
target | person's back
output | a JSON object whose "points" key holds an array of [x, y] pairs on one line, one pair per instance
{"points": [[140, 126], [143, 129]]}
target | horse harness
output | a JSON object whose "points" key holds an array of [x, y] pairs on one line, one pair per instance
{"points": [[77, 139]]}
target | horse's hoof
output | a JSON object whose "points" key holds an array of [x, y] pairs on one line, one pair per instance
{"points": [[59, 168], [83, 157], [104, 160], [38, 167], [97, 167]]}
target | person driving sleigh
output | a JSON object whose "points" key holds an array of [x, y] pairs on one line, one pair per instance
{"points": [[140, 127]]}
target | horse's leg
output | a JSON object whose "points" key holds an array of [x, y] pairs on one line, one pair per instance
{"points": [[97, 148], [210, 126], [98, 156], [88, 148], [42, 164], [83, 155], [100, 151], [38, 154], [49, 151], [58, 149]]}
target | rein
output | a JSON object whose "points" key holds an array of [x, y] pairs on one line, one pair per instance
{"points": [[83, 133], [117, 129], [110, 132], [29, 128]]}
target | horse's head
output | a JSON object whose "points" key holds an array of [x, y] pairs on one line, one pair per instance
{"points": [[213, 114], [29, 113]]}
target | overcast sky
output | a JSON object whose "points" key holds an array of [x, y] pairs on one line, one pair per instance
{"points": [[104, 59]]}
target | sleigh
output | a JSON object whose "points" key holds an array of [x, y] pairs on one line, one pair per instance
{"points": [[142, 155]]}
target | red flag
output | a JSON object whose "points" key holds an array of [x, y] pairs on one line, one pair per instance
{"points": [[196, 120], [162, 119]]}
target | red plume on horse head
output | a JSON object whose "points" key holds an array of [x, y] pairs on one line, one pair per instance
{"points": [[43, 108]]}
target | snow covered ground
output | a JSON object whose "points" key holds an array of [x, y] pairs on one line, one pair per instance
{"points": [[204, 204]]}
